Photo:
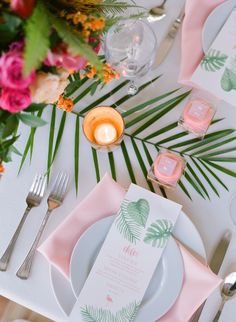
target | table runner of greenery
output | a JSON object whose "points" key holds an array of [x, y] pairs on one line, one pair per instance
{"points": [[204, 157]]}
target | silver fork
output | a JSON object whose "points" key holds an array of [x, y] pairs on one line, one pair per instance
{"points": [[33, 199], [55, 200]]}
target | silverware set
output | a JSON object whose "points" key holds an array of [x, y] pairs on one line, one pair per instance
{"points": [[229, 286], [34, 198]]}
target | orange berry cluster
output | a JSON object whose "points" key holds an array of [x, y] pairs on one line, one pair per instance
{"points": [[65, 103], [108, 73], [88, 23]]}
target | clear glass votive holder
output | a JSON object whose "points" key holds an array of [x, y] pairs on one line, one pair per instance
{"points": [[167, 169], [103, 127], [197, 116]]}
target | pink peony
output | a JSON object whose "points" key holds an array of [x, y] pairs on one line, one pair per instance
{"points": [[14, 101], [23, 8], [60, 57], [11, 66]]}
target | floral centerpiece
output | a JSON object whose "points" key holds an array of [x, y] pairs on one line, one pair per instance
{"points": [[42, 43]]}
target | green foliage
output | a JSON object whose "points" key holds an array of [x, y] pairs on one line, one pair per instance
{"points": [[31, 120], [127, 225], [202, 156], [9, 29], [213, 61], [228, 80], [37, 32], [159, 233], [126, 314], [139, 211], [114, 7]]}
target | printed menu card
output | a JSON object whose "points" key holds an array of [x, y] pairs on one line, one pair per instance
{"points": [[217, 71], [128, 258]]}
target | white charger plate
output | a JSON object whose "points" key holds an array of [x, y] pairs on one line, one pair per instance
{"points": [[215, 22], [164, 286], [184, 231]]}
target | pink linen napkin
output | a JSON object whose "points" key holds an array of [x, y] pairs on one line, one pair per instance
{"points": [[105, 200], [196, 12]]}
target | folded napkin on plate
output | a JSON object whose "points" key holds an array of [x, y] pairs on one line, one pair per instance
{"points": [[196, 12], [105, 200]]}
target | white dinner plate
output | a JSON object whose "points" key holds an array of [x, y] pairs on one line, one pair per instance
{"points": [[164, 286], [184, 231], [215, 22]]}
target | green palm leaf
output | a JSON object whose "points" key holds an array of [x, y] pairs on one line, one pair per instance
{"points": [[51, 141], [161, 114], [112, 164], [213, 61], [128, 313], [142, 164], [204, 154], [76, 153], [128, 162], [127, 226], [139, 211], [96, 164], [92, 314], [159, 233], [36, 33], [205, 176]]}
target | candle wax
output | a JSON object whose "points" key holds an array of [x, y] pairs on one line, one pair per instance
{"points": [[168, 168], [105, 133], [197, 115]]}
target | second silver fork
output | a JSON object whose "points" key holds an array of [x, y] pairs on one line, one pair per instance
{"points": [[55, 200], [33, 199]]}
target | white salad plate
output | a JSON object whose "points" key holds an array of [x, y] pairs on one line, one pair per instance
{"points": [[164, 286], [215, 22], [184, 231]]}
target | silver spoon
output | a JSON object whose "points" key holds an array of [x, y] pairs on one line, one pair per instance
{"points": [[228, 292], [157, 13]]}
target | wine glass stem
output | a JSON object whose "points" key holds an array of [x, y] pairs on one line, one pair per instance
{"points": [[133, 89]]}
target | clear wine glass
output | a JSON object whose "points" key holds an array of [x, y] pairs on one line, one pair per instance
{"points": [[130, 47]]}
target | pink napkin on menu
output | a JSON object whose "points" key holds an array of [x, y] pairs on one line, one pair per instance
{"points": [[105, 200], [196, 13]]}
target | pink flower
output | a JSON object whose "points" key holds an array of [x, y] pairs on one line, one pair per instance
{"points": [[60, 57], [23, 8], [17, 46], [14, 101], [11, 66]]}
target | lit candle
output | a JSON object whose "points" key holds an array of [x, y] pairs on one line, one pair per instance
{"points": [[167, 169], [104, 128], [197, 116], [105, 133]]}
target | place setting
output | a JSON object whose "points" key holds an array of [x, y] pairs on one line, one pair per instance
{"points": [[119, 225]]}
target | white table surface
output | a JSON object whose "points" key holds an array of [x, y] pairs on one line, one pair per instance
{"points": [[210, 217]]}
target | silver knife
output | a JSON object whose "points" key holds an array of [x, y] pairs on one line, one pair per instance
{"points": [[168, 41], [215, 264]]}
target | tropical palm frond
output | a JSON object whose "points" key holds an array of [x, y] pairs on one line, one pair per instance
{"points": [[92, 314], [107, 7], [127, 226], [159, 233], [146, 132], [213, 61], [128, 313]]}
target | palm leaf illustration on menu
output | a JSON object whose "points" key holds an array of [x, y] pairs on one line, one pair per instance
{"points": [[159, 233], [126, 314], [132, 218], [213, 61]]}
